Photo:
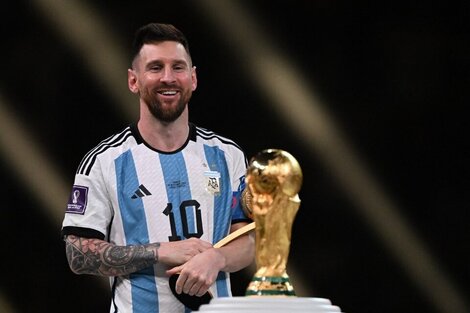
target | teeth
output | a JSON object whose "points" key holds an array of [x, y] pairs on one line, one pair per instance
{"points": [[168, 92]]}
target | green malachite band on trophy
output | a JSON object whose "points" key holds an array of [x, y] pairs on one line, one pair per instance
{"points": [[270, 286], [272, 279], [270, 293]]}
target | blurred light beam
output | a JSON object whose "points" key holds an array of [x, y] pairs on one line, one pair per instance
{"points": [[305, 114], [31, 164], [5, 306], [84, 30], [34, 169]]}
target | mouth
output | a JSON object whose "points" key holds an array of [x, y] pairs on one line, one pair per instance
{"points": [[168, 93]]}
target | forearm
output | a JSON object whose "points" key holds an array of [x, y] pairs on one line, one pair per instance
{"points": [[98, 257], [239, 253]]}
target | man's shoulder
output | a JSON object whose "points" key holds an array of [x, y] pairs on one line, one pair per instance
{"points": [[108, 148], [213, 138]]}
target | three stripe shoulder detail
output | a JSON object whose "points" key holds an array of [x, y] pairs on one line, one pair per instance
{"points": [[208, 135], [113, 141]]}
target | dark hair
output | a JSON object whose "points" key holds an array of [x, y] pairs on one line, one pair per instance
{"points": [[157, 32]]}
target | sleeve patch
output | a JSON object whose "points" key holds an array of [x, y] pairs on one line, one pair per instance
{"points": [[77, 200]]}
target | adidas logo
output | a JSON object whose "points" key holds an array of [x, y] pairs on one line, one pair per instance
{"points": [[141, 192]]}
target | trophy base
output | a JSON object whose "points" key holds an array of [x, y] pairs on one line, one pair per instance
{"points": [[270, 286], [269, 305]]}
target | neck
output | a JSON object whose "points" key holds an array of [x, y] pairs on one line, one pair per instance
{"points": [[163, 136]]}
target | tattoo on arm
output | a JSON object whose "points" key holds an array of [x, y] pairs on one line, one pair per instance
{"points": [[98, 257]]}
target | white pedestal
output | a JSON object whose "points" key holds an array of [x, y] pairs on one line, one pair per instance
{"points": [[266, 304]]}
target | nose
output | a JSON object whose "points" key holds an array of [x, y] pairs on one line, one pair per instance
{"points": [[168, 75]]}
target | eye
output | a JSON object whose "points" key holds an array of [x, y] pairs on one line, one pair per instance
{"points": [[179, 67], [156, 68]]}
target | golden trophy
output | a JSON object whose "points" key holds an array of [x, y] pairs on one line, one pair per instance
{"points": [[274, 179], [271, 199]]}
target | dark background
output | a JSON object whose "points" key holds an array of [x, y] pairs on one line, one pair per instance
{"points": [[394, 76]]}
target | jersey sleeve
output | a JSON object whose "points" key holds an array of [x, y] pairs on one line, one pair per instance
{"points": [[88, 212], [238, 185]]}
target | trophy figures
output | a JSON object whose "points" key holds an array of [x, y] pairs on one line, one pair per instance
{"points": [[274, 179]]}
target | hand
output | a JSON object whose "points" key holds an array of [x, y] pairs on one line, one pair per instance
{"points": [[199, 273], [179, 252]]}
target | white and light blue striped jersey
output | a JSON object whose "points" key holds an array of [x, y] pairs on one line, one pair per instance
{"points": [[128, 193]]}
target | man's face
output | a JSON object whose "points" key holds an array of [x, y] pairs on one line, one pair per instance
{"points": [[163, 76]]}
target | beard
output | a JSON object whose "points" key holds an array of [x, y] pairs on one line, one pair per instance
{"points": [[163, 112]]}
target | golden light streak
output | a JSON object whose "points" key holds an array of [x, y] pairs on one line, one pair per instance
{"points": [[32, 165], [5, 306], [297, 103], [84, 30], [33, 168]]}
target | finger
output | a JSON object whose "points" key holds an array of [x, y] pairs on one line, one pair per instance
{"points": [[174, 270], [202, 290], [180, 283], [189, 283], [195, 289]]}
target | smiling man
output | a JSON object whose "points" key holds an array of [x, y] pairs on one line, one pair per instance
{"points": [[151, 200]]}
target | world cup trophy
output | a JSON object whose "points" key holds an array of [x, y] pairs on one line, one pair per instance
{"points": [[271, 199], [274, 178]]}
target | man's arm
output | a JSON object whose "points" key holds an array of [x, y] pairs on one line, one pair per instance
{"points": [[239, 253], [98, 257], [199, 273]]}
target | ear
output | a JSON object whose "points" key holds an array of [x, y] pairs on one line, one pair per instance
{"points": [[194, 78], [132, 81]]}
